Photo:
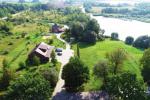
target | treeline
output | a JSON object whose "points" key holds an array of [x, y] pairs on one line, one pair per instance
{"points": [[137, 10], [8, 8]]}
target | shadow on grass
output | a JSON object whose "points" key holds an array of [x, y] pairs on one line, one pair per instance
{"points": [[84, 45]]}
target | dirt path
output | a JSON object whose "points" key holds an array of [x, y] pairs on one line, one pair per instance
{"points": [[64, 59]]}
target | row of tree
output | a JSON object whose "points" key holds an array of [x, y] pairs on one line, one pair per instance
{"points": [[142, 42]]}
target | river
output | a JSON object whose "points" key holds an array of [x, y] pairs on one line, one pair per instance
{"points": [[123, 27]]}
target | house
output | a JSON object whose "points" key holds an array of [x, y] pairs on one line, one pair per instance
{"points": [[43, 51], [57, 29]]}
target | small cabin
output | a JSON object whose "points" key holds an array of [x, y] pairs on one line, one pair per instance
{"points": [[43, 51]]}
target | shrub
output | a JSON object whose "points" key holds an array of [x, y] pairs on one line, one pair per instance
{"points": [[10, 43], [22, 65], [5, 52], [114, 36], [51, 75], [101, 69], [129, 40], [50, 41]]}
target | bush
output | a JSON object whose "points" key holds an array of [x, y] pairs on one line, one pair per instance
{"points": [[22, 65], [5, 52], [51, 75], [50, 41], [129, 40], [75, 73], [114, 36], [10, 43], [29, 87]]}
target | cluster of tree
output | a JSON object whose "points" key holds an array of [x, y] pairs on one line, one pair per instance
{"points": [[86, 32], [71, 10], [141, 9], [37, 84], [28, 87], [75, 73], [119, 84], [9, 8], [115, 10], [142, 42]]}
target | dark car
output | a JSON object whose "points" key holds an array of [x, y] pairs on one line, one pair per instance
{"points": [[59, 53], [58, 50]]}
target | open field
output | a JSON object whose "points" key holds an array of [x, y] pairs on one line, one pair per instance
{"points": [[91, 54]]}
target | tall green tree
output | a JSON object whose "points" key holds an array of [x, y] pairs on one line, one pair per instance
{"points": [[125, 87], [93, 26], [116, 59], [53, 57], [6, 77], [78, 50], [77, 29], [75, 73]]}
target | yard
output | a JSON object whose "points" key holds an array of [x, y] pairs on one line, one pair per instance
{"points": [[91, 54], [18, 48]]}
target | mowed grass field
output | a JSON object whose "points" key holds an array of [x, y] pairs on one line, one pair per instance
{"points": [[91, 54]]}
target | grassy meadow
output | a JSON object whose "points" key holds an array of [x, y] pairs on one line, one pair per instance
{"points": [[91, 54]]}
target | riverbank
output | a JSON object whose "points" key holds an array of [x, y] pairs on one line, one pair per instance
{"points": [[123, 27], [124, 17]]}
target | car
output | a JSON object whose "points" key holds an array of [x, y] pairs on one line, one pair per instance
{"points": [[59, 53], [58, 50]]}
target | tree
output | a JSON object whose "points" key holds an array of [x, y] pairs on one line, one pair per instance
{"points": [[90, 37], [93, 26], [116, 59], [5, 63], [53, 57], [101, 69], [29, 87], [75, 73], [125, 87], [7, 76], [145, 61], [129, 40], [142, 42], [114, 36], [76, 30], [78, 50]]}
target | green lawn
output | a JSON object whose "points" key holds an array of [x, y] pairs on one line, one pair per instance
{"points": [[91, 54]]}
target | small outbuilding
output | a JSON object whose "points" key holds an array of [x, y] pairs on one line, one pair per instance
{"points": [[57, 29], [43, 51]]}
